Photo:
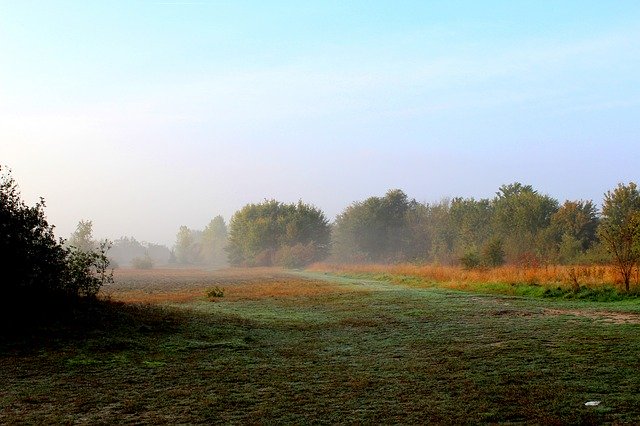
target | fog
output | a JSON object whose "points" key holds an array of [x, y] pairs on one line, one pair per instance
{"points": [[146, 117]]}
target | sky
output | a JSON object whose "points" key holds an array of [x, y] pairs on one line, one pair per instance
{"points": [[145, 115]]}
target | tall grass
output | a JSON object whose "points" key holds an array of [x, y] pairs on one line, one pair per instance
{"points": [[550, 276]]}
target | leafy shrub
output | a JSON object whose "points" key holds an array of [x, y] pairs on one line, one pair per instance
{"points": [[215, 292], [87, 271], [471, 259], [39, 266], [142, 262], [493, 253]]}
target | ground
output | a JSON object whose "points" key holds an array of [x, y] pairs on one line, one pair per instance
{"points": [[309, 347]]}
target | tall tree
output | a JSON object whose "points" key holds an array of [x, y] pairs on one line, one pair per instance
{"points": [[257, 232], [574, 228], [619, 227], [521, 217], [82, 237], [214, 241], [186, 247], [374, 229]]}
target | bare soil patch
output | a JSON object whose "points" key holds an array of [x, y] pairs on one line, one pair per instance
{"points": [[606, 316]]}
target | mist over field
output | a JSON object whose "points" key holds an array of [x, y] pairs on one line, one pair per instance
{"points": [[149, 116], [303, 212]]}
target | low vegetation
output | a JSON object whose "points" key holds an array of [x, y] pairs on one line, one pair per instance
{"points": [[596, 282], [310, 347]]}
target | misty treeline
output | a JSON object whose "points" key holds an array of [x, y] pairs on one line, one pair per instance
{"points": [[195, 247], [519, 225]]}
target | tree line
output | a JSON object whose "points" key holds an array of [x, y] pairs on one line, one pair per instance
{"points": [[519, 225]]}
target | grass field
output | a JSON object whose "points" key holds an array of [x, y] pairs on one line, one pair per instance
{"points": [[312, 347]]}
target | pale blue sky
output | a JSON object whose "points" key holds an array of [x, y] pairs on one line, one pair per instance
{"points": [[147, 115]]}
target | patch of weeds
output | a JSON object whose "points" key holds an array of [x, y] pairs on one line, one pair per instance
{"points": [[154, 364], [214, 293], [601, 294], [82, 360]]}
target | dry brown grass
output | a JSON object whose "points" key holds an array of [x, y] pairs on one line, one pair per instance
{"points": [[460, 278], [184, 285]]}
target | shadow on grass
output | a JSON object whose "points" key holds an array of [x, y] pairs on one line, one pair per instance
{"points": [[41, 323]]}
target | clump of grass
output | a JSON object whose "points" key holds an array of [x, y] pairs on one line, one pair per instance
{"points": [[214, 293]]}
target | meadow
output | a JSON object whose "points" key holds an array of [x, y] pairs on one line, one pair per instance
{"points": [[323, 346]]}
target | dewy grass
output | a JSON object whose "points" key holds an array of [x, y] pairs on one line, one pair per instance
{"points": [[357, 351]]}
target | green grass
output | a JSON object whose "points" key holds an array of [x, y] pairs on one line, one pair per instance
{"points": [[384, 354]]}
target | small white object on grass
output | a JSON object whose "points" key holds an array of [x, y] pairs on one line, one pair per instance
{"points": [[592, 403]]}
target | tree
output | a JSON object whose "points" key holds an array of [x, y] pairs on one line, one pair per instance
{"points": [[214, 241], [257, 232], [521, 216], [187, 248], [82, 237], [619, 228], [574, 229], [374, 229], [35, 264], [471, 221]]}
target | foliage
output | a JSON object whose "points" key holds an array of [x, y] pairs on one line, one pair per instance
{"points": [[87, 271], [471, 259], [257, 232], [215, 293], [125, 250], [82, 237], [518, 223], [142, 262], [493, 253], [37, 266], [32, 260], [620, 227], [295, 256], [214, 241], [521, 216], [187, 247], [376, 227]]}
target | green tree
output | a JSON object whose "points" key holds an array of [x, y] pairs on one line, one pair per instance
{"points": [[187, 247], [574, 228], [258, 231], [471, 222], [35, 264], [521, 216], [82, 237], [619, 228], [214, 241], [493, 252], [374, 229]]}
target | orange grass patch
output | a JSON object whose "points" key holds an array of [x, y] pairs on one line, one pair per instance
{"points": [[184, 285], [458, 277]]}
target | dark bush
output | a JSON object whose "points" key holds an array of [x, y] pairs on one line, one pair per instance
{"points": [[36, 266]]}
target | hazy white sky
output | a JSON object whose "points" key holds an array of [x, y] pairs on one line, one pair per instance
{"points": [[144, 116]]}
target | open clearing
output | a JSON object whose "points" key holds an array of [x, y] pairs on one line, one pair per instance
{"points": [[308, 347]]}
